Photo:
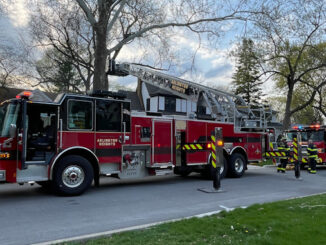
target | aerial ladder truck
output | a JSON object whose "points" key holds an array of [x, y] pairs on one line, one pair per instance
{"points": [[67, 144]]}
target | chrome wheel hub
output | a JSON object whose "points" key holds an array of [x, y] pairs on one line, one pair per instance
{"points": [[73, 176], [222, 168], [239, 165]]}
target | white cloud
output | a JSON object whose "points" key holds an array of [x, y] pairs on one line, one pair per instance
{"points": [[214, 67], [18, 13]]}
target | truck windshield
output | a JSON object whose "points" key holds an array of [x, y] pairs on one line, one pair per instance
{"points": [[317, 136], [291, 135], [8, 116]]}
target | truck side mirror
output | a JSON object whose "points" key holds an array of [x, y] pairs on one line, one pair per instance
{"points": [[12, 130]]}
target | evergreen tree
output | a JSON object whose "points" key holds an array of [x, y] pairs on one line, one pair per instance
{"points": [[246, 82], [58, 74]]}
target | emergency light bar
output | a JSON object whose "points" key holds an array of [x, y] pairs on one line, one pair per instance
{"points": [[300, 127], [315, 126], [24, 94]]}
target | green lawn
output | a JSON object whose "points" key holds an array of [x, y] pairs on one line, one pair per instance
{"points": [[297, 221]]}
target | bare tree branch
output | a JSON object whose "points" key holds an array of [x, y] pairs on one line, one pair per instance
{"points": [[87, 12]]}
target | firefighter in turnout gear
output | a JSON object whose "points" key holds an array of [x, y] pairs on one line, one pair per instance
{"points": [[313, 156], [283, 146]]}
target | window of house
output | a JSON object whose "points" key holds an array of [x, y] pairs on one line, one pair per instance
{"points": [[108, 116], [183, 106], [170, 104], [161, 103], [80, 114], [178, 105]]}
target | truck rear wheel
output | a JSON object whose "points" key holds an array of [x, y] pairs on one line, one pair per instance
{"points": [[237, 165], [72, 176]]}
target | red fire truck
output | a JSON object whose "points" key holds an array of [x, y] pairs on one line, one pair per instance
{"points": [[69, 143], [314, 132]]}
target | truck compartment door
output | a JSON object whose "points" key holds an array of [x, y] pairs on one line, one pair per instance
{"points": [[162, 142]]}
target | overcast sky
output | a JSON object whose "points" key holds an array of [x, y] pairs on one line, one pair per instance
{"points": [[214, 67]]}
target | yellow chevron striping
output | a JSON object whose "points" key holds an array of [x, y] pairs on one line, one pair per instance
{"points": [[278, 154], [213, 147], [213, 138], [214, 164], [199, 146], [178, 146], [187, 147], [193, 146], [213, 155]]}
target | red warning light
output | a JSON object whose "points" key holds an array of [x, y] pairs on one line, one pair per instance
{"points": [[315, 126], [24, 94], [27, 93]]}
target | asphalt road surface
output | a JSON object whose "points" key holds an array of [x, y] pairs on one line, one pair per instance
{"points": [[30, 215]]}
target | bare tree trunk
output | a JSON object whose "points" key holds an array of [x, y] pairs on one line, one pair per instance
{"points": [[287, 116], [100, 77]]}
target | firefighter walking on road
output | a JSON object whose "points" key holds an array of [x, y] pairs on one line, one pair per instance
{"points": [[283, 146], [313, 156]]}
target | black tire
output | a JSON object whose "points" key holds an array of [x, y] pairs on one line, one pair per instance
{"points": [[209, 171], [72, 176], [237, 165], [182, 171]]}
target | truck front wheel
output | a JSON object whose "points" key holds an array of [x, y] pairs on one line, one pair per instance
{"points": [[237, 165], [72, 175]]}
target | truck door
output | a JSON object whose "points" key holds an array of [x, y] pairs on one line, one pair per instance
{"points": [[41, 134], [112, 129], [162, 142]]}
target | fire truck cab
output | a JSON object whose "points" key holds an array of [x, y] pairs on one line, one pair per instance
{"points": [[314, 132]]}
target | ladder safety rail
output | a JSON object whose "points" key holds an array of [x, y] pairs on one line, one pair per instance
{"points": [[224, 106]]}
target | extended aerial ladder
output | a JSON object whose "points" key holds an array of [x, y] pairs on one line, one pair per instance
{"points": [[224, 106]]}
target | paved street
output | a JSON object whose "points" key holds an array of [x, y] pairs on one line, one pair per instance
{"points": [[30, 215]]}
